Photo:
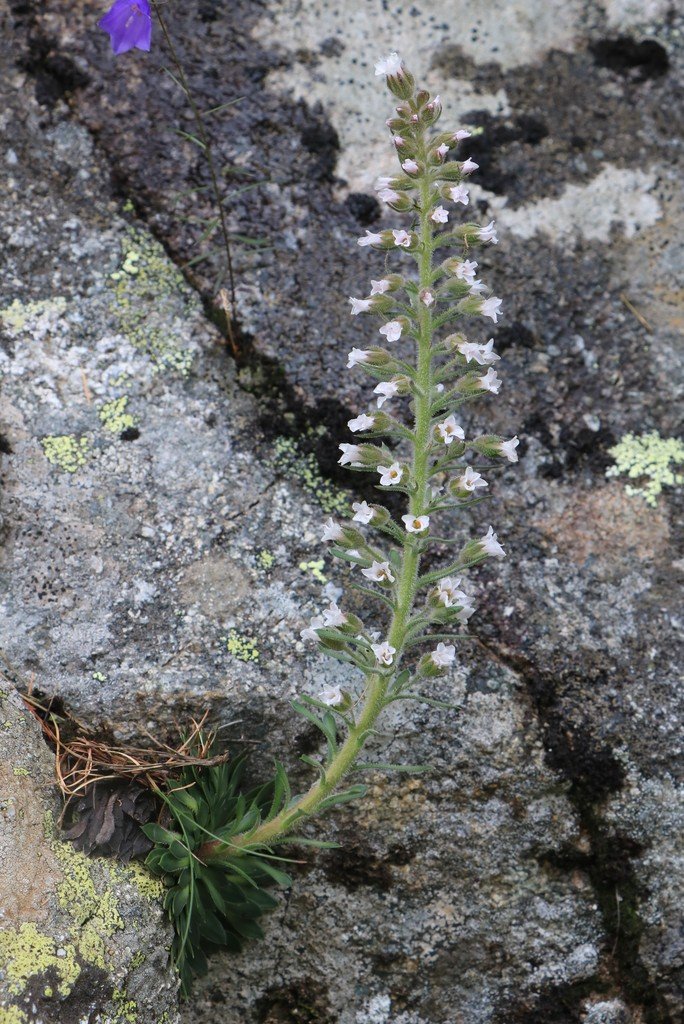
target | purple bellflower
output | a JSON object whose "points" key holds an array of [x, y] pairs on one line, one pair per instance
{"points": [[129, 24]]}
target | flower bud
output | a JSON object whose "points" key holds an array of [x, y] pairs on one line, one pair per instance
{"points": [[450, 171], [399, 202], [396, 125], [401, 83], [431, 112], [470, 233], [352, 625], [489, 445], [453, 342], [469, 384], [412, 168], [427, 669], [421, 98]]}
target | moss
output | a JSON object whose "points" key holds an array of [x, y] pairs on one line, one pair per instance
{"points": [[242, 647], [289, 460], [27, 316], [66, 451], [315, 567], [114, 417], [650, 459], [145, 279], [26, 951]]}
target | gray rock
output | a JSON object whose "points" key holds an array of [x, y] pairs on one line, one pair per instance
{"points": [[80, 939], [538, 863]]}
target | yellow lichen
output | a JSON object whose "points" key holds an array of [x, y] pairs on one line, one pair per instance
{"points": [[145, 279], [266, 559], [99, 677], [66, 451], [146, 884], [12, 1015], [242, 647], [648, 458], [25, 951], [20, 771], [289, 460], [32, 316], [114, 417], [315, 567], [125, 1009]]}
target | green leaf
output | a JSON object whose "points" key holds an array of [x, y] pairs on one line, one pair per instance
{"points": [[222, 106], [158, 834], [191, 138], [320, 844], [278, 876], [343, 797], [411, 769], [325, 724]]}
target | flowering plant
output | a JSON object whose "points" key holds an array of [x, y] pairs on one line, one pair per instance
{"points": [[218, 853]]}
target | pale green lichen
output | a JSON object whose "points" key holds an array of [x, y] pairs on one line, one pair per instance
{"points": [[126, 1009], [650, 459], [265, 559], [26, 951], [12, 1015], [20, 771], [26, 317], [242, 647], [146, 884], [289, 460], [66, 451], [145, 279], [315, 567], [99, 677], [114, 417]]}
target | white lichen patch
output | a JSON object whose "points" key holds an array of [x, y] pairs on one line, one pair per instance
{"points": [[650, 460], [616, 198], [626, 14]]}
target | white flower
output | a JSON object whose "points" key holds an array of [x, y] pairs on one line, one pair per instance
{"points": [[355, 553], [477, 287], [442, 150], [379, 287], [448, 593], [351, 453], [507, 448], [491, 545], [384, 654], [488, 233], [379, 572], [488, 355], [401, 237], [387, 389], [471, 480], [392, 330], [426, 297], [468, 166], [332, 531], [362, 422], [461, 134], [490, 308], [390, 475], [465, 271], [482, 354], [370, 238], [331, 695], [381, 183], [357, 355], [388, 195], [310, 632], [390, 65], [359, 305], [439, 388], [444, 655], [415, 524], [449, 429], [465, 612], [490, 381], [363, 512], [332, 616], [459, 194], [439, 215], [410, 166]]}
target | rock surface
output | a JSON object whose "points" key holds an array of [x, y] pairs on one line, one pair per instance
{"points": [[162, 522], [80, 939]]}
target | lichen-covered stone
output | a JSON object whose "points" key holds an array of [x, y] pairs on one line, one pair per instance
{"points": [[76, 935]]}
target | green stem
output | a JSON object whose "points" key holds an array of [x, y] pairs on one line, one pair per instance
{"points": [[207, 150], [377, 684]]}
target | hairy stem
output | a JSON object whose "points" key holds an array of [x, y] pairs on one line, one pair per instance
{"points": [[203, 136], [377, 684]]}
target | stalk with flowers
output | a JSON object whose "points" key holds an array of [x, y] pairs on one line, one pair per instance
{"points": [[218, 856]]}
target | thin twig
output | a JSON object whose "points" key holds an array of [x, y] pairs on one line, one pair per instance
{"points": [[207, 149], [635, 312]]}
